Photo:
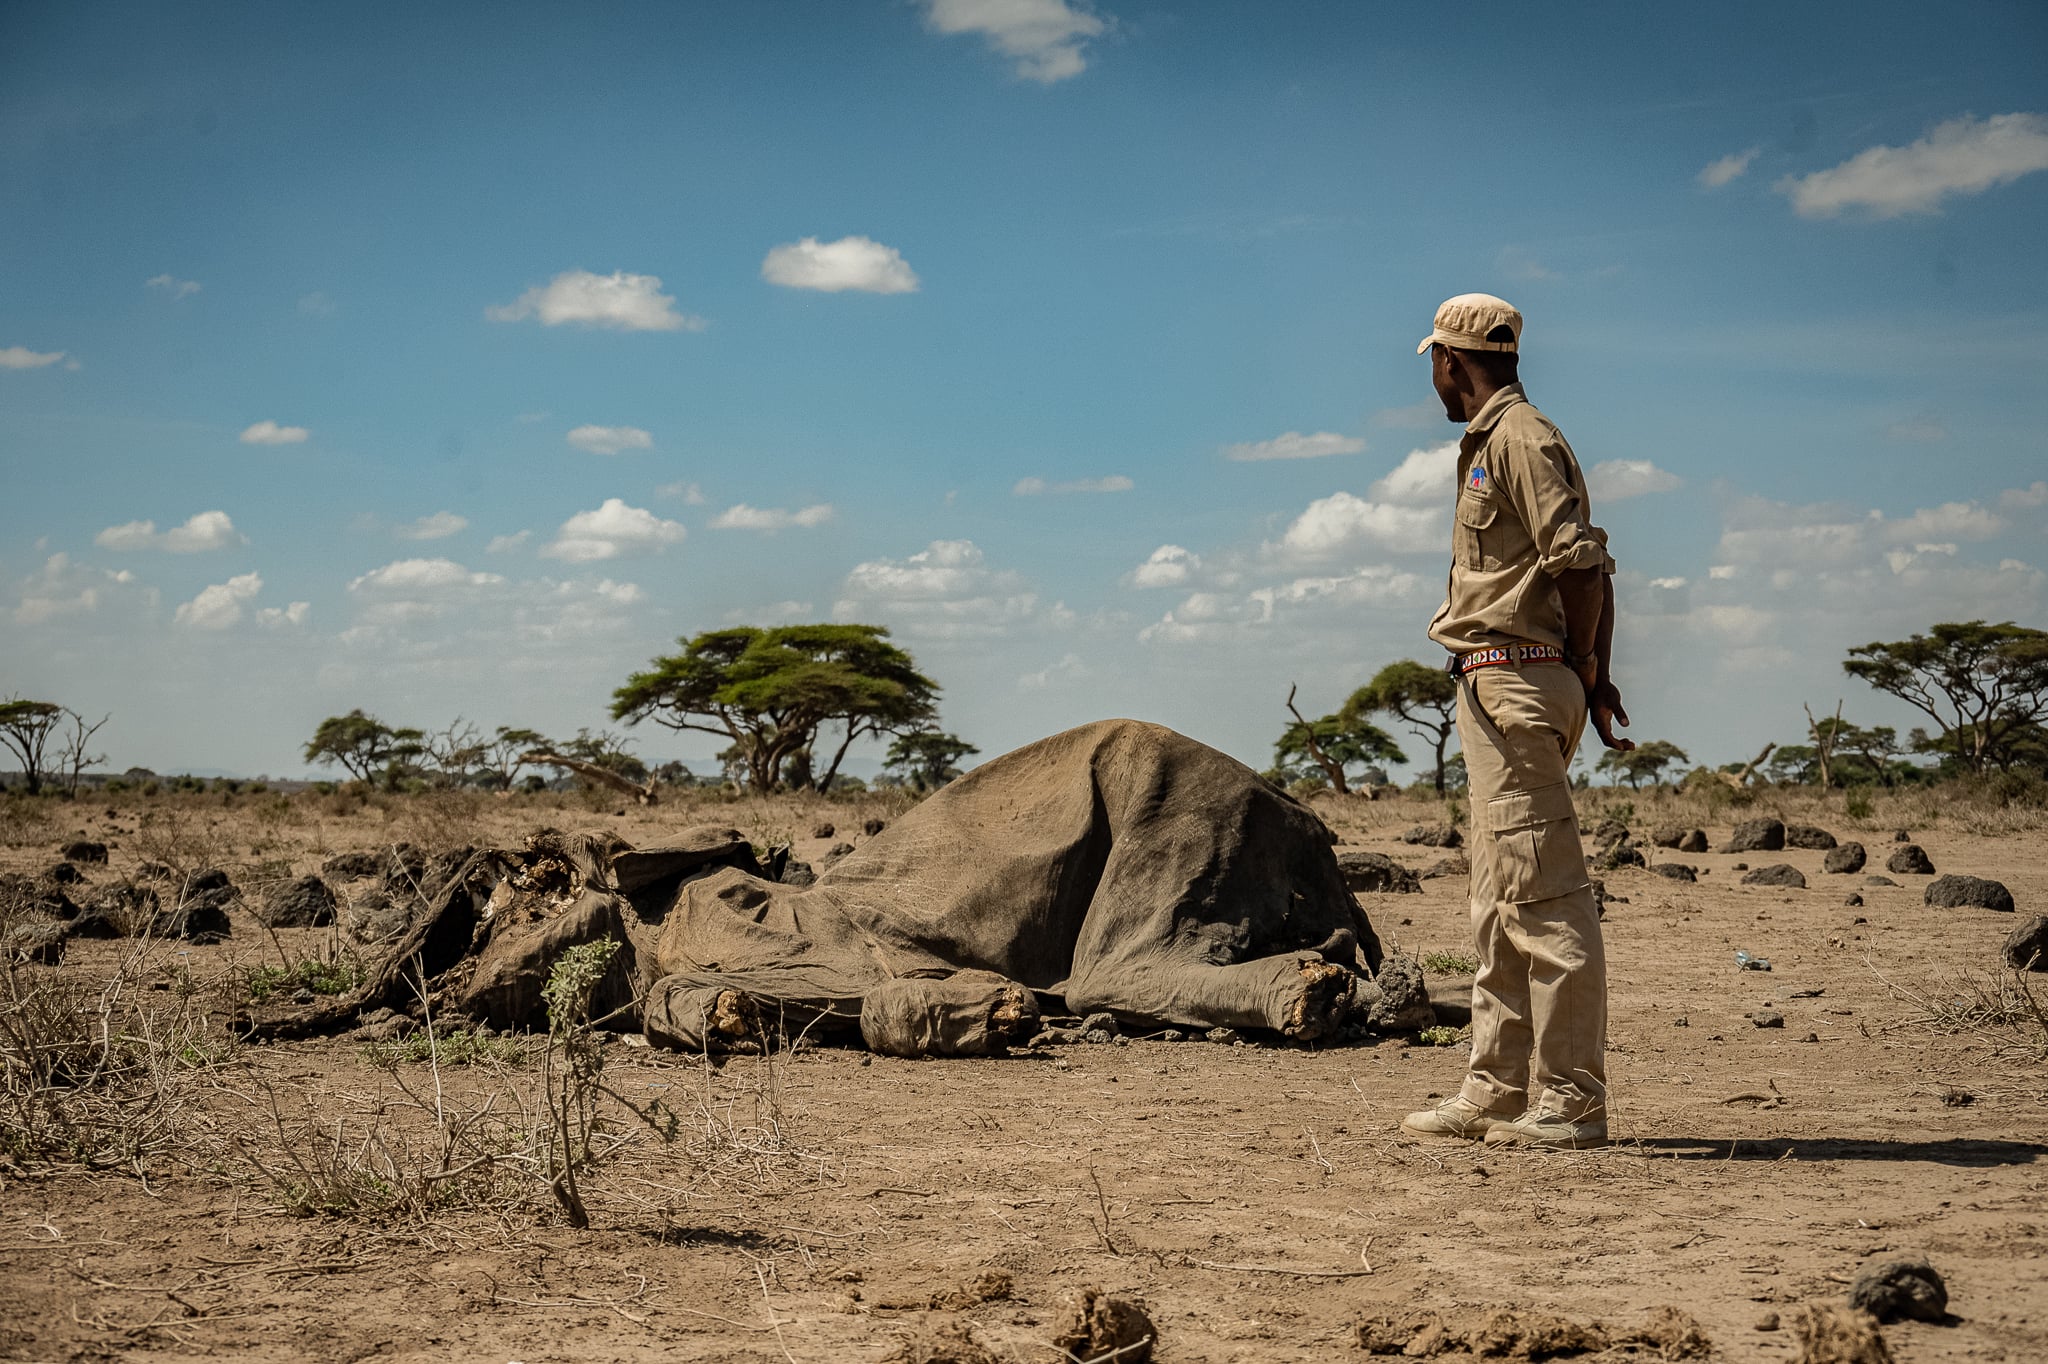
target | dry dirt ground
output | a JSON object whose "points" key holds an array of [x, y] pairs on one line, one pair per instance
{"points": [[1260, 1200]]}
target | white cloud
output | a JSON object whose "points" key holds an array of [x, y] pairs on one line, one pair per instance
{"points": [[1216, 616], [1342, 522], [277, 618], [744, 517], [627, 302], [945, 590], [1730, 167], [1069, 668], [414, 576], [1044, 38], [1294, 445], [1950, 520], [1962, 156], [610, 530], [220, 606], [776, 613], [2034, 495], [1038, 487], [851, 263], [507, 544], [691, 493], [1167, 566], [176, 288], [610, 440], [21, 357], [439, 526], [1425, 478], [208, 530], [65, 588], [1616, 480], [267, 432]]}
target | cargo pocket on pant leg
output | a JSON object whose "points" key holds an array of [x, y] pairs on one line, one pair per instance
{"points": [[1537, 855]]}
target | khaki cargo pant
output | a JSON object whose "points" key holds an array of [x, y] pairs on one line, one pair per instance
{"points": [[1540, 999]]}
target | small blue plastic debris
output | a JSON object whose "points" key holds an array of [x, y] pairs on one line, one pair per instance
{"points": [[1746, 962]]}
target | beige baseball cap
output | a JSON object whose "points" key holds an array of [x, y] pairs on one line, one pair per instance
{"points": [[1463, 322]]}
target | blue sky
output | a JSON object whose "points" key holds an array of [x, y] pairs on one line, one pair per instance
{"points": [[494, 348]]}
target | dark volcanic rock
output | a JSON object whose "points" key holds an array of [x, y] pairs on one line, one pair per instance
{"points": [[1457, 864], [1911, 860], [1694, 842], [353, 866], [1676, 871], [2026, 947], [1904, 1289], [405, 871], [84, 850], [823, 831], [376, 918], [117, 912], [1620, 853], [1808, 837], [1777, 874], [795, 873], [304, 903], [1434, 836], [64, 874], [39, 942], [1668, 835], [1954, 892], [872, 827], [1875, 880], [1756, 835], [1844, 858], [1609, 831], [1371, 871]]}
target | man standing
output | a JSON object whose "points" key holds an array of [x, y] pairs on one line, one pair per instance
{"points": [[1529, 621]]}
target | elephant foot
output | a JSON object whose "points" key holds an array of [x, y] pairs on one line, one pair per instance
{"points": [[1319, 1010], [734, 1023]]}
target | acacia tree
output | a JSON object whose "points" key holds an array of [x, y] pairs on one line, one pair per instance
{"points": [[74, 755], [1334, 744], [1424, 698], [1645, 762], [772, 691], [927, 759], [25, 727], [362, 744], [1985, 686]]}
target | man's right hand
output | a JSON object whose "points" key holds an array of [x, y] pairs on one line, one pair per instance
{"points": [[1603, 702]]}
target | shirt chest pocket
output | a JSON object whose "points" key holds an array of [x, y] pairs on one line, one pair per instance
{"points": [[1476, 536]]}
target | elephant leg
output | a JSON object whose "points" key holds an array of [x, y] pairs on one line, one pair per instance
{"points": [[1297, 993]]}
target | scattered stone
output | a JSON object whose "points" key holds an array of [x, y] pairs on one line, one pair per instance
{"points": [[304, 903], [1434, 836], [1668, 835], [1173, 1035], [1599, 894], [1808, 837], [1609, 831], [1777, 874], [1621, 853], [1397, 999], [1694, 842], [795, 873], [84, 850], [1911, 860], [2026, 947], [1854, 901], [1376, 872], [1811, 1037], [1521, 1334], [1224, 1035], [823, 831], [1904, 1289], [1100, 1022], [1100, 1326], [405, 871], [1844, 858], [1757, 835], [117, 912], [375, 917], [1875, 880], [1767, 1018], [1955, 892], [1055, 1037], [1457, 864], [353, 866], [195, 921], [1767, 1322], [1740, 866], [873, 826], [64, 874], [1676, 871], [1831, 1333], [1902, 837], [833, 854], [153, 871], [39, 942]]}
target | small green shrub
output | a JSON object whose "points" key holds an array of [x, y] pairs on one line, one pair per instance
{"points": [[1449, 963], [459, 1048], [321, 977], [1440, 1036], [1858, 803]]}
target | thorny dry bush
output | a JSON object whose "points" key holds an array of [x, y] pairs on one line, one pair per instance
{"points": [[1998, 1013]]}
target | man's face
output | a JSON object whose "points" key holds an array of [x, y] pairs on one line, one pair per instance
{"points": [[1446, 383]]}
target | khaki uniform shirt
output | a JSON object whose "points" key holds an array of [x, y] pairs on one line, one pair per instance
{"points": [[1522, 518]]}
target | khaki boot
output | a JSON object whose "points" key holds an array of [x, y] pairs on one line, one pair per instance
{"points": [[1552, 1131], [1455, 1117]]}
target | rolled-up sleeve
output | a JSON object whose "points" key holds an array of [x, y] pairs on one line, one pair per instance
{"points": [[1549, 491]]}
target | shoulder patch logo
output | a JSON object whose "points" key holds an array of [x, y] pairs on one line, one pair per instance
{"points": [[1477, 483]]}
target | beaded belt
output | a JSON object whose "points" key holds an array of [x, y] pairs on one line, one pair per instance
{"points": [[1505, 654]]}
